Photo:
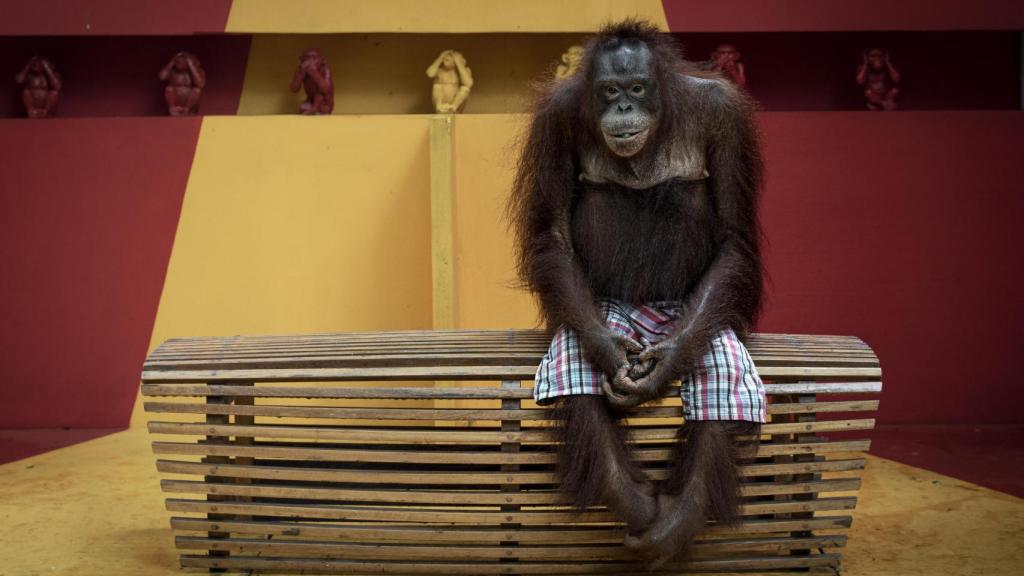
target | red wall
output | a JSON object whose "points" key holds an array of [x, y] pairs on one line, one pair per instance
{"points": [[904, 229], [88, 212], [58, 17], [38, 17], [831, 15]]}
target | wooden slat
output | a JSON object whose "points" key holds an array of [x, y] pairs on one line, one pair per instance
{"points": [[455, 478], [433, 338], [491, 414], [301, 358], [536, 346], [572, 534], [332, 566], [469, 353], [461, 393], [398, 456], [448, 516], [465, 497], [823, 388], [508, 336], [819, 407], [430, 414], [468, 372], [415, 335], [472, 334], [426, 339], [351, 551], [468, 357], [422, 435], [451, 355], [816, 447], [398, 356]]}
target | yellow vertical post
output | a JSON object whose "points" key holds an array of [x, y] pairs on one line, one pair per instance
{"points": [[442, 233], [442, 221]]}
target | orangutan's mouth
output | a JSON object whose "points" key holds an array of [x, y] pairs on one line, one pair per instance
{"points": [[627, 136]]}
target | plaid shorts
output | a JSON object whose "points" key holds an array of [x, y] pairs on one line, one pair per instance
{"points": [[723, 386]]}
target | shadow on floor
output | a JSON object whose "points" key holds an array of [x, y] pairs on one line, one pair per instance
{"points": [[990, 456], [16, 444]]}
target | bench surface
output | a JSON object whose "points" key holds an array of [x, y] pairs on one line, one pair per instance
{"points": [[360, 453]]}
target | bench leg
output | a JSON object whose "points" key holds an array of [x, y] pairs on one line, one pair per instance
{"points": [[242, 420], [510, 448], [804, 417], [785, 459], [222, 419], [216, 419]]}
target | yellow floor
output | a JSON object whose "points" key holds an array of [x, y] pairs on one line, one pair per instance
{"points": [[96, 508]]}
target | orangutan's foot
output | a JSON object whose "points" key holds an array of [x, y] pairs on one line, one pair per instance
{"points": [[638, 509], [670, 535]]}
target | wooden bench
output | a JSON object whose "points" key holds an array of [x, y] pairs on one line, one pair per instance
{"points": [[418, 477]]}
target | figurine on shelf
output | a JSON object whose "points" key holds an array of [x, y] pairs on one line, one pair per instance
{"points": [[42, 87], [880, 77], [570, 62], [185, 82], [452, 82], [726, 59], [314, 75]]}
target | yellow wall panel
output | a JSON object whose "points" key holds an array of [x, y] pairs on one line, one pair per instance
{"points": [[320, 16], [485, 292], [486, 295], [302, 224], [298, 225]]}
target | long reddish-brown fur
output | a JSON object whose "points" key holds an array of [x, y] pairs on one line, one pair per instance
{"points": [[595, 465], [717, 117], [703, 484], [719, 284]]}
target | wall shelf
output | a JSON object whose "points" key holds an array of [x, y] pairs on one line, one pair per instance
{"points": [[384, 73]]}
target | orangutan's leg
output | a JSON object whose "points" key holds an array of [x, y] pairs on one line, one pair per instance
{"points": [[595, 464], [703, 484]]}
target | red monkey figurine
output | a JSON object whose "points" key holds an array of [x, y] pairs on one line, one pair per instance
{"points": [[726, 59], [880, 77], [42, 87], [185, 82], [314, 75]]}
